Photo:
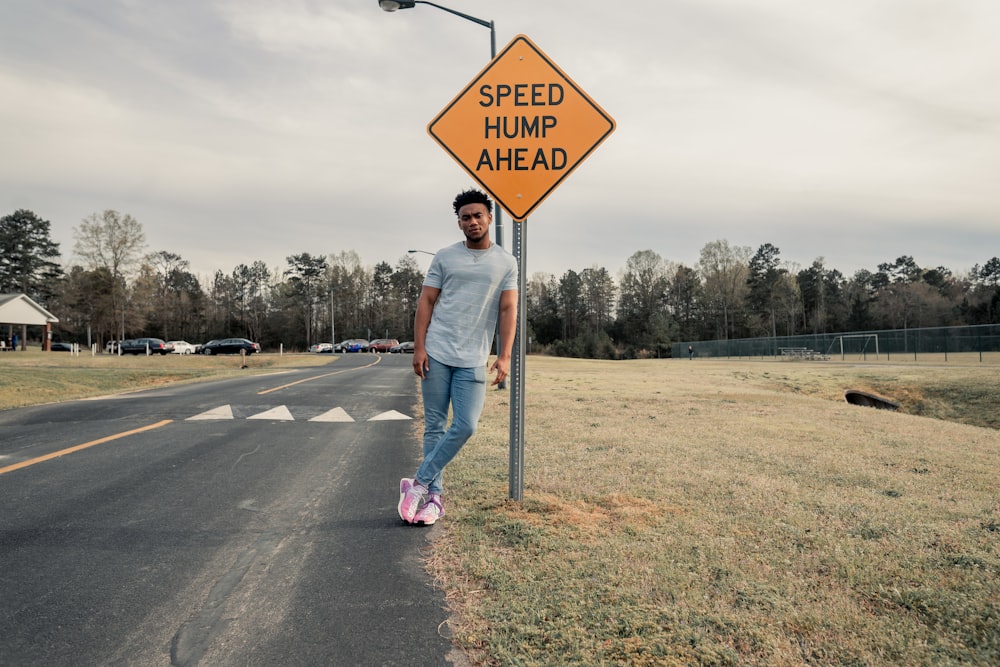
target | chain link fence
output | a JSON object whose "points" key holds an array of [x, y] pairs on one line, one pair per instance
{"points": [[885, 344]]}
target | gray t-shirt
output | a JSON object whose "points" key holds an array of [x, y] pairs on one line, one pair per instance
{"points": [[465, 315]]}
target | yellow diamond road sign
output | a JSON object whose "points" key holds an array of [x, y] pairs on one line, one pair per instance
{"points": [[520, 127]]}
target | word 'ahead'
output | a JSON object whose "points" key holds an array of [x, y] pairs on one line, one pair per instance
{"points": [[521, 127]]}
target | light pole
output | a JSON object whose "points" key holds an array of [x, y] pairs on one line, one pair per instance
{"points": [[393, 5], [426, 252]]}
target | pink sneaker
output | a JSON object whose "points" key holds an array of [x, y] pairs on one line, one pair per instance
{"points": [[411, 494], [430, 512]]}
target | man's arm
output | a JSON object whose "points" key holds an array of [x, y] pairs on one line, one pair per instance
{"points": [[422, 320], [508, 328]]}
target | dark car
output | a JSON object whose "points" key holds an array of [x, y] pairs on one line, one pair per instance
{"points": [[230, 346], [403, 348], [146, 346], [382, 344], [61, 347], [354, 345]]}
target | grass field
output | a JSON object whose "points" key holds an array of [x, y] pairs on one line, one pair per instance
{"points": [[730, 513], [698, 512]]}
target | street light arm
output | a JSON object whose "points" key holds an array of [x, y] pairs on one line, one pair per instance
{"points": [[393, 5], [482, 22]]}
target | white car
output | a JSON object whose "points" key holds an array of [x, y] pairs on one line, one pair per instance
{"points": [[183, 347]]}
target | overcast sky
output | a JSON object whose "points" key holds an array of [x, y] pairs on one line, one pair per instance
{"points": [[243, 130]]}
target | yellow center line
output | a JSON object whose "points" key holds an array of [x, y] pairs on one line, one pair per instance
{"points": [[317, 377], [76, 448]]}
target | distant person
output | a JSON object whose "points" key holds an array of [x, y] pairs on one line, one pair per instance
{"points": [[690, 352], [468, 285]]}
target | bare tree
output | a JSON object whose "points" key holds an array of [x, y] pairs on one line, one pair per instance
{"points": [[305, 276], [115, 243], [643, 318], [407, 282], [725, 269], [350, 283], [167, 266]]}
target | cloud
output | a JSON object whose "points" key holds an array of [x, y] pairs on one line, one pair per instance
{"points": [[236, 131]]}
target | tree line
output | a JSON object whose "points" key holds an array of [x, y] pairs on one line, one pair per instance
{"points": [[115, 288]]}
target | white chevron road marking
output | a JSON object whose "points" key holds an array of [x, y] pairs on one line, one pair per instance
{"points": [[389, 416], [335, 415], [221, 412], [280, 413]]}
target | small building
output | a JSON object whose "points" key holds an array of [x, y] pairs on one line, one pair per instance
{"points": [[19, 309]]}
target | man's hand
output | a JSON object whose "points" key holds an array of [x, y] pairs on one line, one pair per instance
{"points": [[421, 321], [502, 367], [420, 364]]}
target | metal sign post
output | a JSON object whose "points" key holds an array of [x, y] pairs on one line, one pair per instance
{"points": [[516, 477]]}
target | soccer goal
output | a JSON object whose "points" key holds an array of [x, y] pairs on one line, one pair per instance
{"points": [[868, 339]]}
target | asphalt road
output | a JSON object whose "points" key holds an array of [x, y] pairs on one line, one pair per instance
{"points": [[241, 522]]}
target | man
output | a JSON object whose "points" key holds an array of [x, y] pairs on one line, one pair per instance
{"points": [[468, 285]]}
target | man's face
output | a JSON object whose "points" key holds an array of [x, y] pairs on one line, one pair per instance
{"points": [[474, 221]]}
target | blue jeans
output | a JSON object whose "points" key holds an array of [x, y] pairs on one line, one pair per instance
{"points": [[464, 389]]}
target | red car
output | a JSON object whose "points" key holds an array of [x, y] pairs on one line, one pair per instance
{"points": [[382, 345]]}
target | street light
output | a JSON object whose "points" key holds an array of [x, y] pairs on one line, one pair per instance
{"points": [[426, 252]]}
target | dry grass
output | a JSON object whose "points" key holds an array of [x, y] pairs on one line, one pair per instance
{"points": [[32, 377], [697, 513], [729, 513]]}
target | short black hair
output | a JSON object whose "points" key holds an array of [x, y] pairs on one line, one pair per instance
{"points": [[472, 196]]}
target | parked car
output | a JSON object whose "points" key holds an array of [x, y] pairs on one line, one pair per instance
{"points": [[354, 345], [183, 347], [382, 344], [146, 346], [230, 346], [403, 348], [61, 347], [111, 347], [324, 348]]}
